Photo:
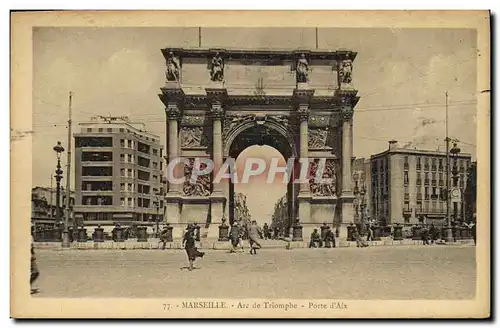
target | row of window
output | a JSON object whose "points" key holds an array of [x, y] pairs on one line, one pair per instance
{"points": [[108, 216], [121, 130]]}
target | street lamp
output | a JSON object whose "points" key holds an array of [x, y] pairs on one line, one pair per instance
{"points": [[59, 150]]}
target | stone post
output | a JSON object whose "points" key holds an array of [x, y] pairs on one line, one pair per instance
{"points": [[216, 96], [302, 98]]}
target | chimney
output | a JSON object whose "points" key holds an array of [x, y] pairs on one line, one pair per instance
{"points": [[393, 144]]}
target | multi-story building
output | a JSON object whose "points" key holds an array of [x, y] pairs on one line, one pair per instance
{"points": [[118, 174], [43, 206], [409, 185]]}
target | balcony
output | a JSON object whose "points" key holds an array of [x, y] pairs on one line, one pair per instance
{"points": [[419, 167], [434, 197], [434, 183], [426, 182], [406, 166], [433, 167]]}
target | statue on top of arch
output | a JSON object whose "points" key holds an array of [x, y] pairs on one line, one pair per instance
{"points": [[302, 69], [217, 69], [173, 68], [345, 72]]}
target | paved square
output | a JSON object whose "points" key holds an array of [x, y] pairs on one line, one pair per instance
{"points": [[401, 272]]}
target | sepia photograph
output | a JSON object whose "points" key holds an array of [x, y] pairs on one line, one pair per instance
{"points": [[250, 170]]}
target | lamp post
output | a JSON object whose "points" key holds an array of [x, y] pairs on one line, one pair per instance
{"points": [[59, 150]]}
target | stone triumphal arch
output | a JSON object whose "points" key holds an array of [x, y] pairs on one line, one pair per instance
{"points": [[218, 102]]}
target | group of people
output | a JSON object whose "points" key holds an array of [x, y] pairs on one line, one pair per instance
{"points": [[325, 239], [253, 231]]}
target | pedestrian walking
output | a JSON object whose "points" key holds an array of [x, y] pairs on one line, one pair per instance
{"points": [[163, 238], [253, 236], [425, 235], [433, 232], [34, 273], [234, 237], [189, 245], [266, 230]]}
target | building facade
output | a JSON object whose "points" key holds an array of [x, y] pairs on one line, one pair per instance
{"points": [[118, 174], [409, 186], [43, 206]]}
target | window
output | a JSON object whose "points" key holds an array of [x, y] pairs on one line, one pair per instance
{"points": [[122, 158], [155, 166], [440, 163], [130, 201], [130, 158], [129, 143], [419, 163], [89, 129], [406, 178], [122, 172], [426, 193], [122, 143], [122, 201], [122, 130], [101, 129], [155, 152], [109, 130], [419, 206], [130, 173], [407, 206], [93, 142], [122, 187]]}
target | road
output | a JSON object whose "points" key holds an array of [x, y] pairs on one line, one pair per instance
{"points": [[401, 272]]}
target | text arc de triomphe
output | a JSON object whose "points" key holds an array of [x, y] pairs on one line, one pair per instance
{"points": [[208, 115]]}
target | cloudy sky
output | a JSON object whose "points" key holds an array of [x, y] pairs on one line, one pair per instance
{"points": [[401, 75]]}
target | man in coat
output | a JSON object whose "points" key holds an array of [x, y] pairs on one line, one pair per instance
{"points": [[253, 236]]}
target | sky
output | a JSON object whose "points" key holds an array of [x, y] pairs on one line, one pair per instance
{"points": [[401, 75]]}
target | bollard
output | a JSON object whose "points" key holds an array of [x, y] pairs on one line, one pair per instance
{"points": [[223, 232], [417, 233], [58, 234], [142, 234], [398, 232], [98, 235], [82, 235], [297, 233], [464, 232], [376, 232], [119, 234]]}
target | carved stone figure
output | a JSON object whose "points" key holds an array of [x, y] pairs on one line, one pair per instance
{"points": [[320, 188], [345, 71], [232, 121], [173, 68], [217, 69], [317, 138], [302, 69], [191, 137], [202, 185], [280, 119]]}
